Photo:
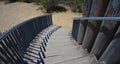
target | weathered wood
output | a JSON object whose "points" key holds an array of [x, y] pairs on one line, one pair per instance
{"points": [[81, 32], [14, 43], [93, 26], [75, 28], [0, 33], [89, 34], [104, 36], [87, 7], [112, 53], [82, 26], [107, 30]]}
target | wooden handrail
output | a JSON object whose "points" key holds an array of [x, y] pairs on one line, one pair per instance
{"points": [[98, 18]]}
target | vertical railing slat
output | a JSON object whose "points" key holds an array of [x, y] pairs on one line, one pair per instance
{"points": [[75, 28], [7, 52], [14, 42], [16, 46], [98, 8], [14, 49], [4, 55], [19, 38], [17, 42]]}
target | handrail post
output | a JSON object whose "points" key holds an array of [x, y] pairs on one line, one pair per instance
{"points": [[112, 53], [81, 32], [107, 41], [75, 28]]}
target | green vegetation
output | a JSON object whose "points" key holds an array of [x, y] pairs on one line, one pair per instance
{"points": [[75, 5], [53, 5], [56, 9]]}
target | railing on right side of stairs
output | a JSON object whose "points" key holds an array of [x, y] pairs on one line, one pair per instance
{"points": [[102, 38]]}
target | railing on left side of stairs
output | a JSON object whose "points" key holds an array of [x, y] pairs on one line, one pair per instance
{"points": [[15, 41]]}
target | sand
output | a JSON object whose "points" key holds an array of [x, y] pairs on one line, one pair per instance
{"points": [[15, 13], [64, 19]]}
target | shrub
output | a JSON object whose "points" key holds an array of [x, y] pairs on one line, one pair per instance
{"points": [[56, 8]]}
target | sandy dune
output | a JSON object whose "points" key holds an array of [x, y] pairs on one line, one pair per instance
{"points": [[14, 13], [64, 19]]}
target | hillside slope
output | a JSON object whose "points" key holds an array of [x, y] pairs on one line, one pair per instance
{"points": [[14, 13]]}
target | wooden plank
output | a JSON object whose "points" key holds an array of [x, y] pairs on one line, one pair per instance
{"points": [[14, 49], [3, 57], [87, 7], [82, 27], [97, 9], [112, 53], [107, 29], [81, 32], [75, 28], [23, 38], [6, 52], [20, 40]]}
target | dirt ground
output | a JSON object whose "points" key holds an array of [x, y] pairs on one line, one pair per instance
{"points": [[64, 19], [15, 13]]}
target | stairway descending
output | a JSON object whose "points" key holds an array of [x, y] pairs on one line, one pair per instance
{"points": [[63, 49]]}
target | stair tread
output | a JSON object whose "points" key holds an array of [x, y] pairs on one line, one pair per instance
{"points": [[63, 49]]}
